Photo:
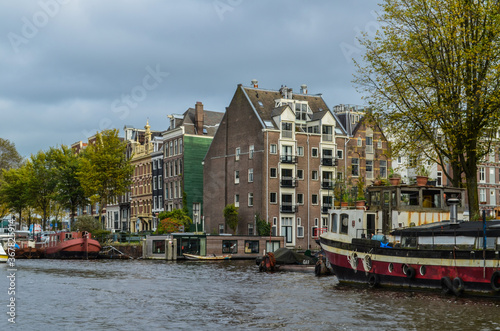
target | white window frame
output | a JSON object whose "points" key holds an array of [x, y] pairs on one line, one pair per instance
{"points": [[300, 151], [250, 199], [236, 200], [314, 152], [236, 176], [250, 175], [273, 149], [251, 151], [237, 153]]}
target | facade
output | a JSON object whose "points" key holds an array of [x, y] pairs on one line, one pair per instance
{"points": [[141, 148], [363, 151], [157, 179], [273, 157], [185, 145]]}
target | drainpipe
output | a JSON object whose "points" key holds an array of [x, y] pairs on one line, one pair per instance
{"points": [[308, 196]]}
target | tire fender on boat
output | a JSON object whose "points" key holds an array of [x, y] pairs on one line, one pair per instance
{"points": [[410, 272], [373, 280], [495, 281], [446, 285], [458, 285]]}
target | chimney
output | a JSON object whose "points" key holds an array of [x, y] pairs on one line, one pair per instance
{"points": [[303, 89], [198, 117], [255, 83]]}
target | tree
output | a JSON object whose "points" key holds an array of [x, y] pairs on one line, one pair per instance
{"points": [[105, 171], [41, 182], [263, 227], [171, 221], [69, 191], [13, 190], [231, 217], [87, 223], [432, 78], [9, 157]]}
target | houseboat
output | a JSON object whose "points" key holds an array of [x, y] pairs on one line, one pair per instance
{"points": [[70, 245], [414, 237]]}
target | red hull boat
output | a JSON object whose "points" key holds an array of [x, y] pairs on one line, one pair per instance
{"points": [[71, 245]]}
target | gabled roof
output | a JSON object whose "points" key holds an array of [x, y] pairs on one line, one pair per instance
{"points": [[263, 101], [211, 121]]}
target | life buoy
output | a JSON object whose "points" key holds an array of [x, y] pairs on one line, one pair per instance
{"points": [[410, 272], [458, 286], [373, 280], [495, 281], [446, 285]]}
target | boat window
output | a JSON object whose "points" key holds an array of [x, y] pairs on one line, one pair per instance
{"points": [[375, 198], [335, 221], [409, 198], [432, 199], [251, 246], [409, 242], [344, 223], [158, 246], [394, 200], [229, 246]]}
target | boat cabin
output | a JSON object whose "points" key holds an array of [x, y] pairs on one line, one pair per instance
{"points": [[395, 207]]}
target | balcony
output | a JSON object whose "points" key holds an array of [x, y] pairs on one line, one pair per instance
{"points": [[289, 182], [327, 184], [329, 161], [325, 207], [288, 208], [288, 159], [327, 137]]}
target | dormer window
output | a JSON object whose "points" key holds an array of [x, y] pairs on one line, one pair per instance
{"points": [[302, 112]]}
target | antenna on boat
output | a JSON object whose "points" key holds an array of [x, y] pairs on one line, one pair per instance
{"points": [[453, 202]]}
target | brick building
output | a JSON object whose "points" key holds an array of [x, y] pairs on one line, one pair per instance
{"points": [[273, 156]]}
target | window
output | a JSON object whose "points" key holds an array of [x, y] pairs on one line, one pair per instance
{"points": [[439, 178], [236, 200], [160, 180], [158, 247], [159, 164], [229, 246], [482, 175], [492, 175], [300, 228], [251, 150], [236, 176], [286, 229], [221, 228], [273, 197], [359, 142], [314, 152], [383, 168], [369, 144], [482, 195], [340, 154], [300, 198], [300, 174], [180, 146], [154, 183], [250, 229], [355, 167], [300, 151], [250, 199], [340, 176], [369, 169], [155, 203], [154, 164], [314, 175], [251, 246], [273, 173], [273, 149], [314, 199], [344, 223], [175, 147], [275, 226], [400, 160], [250, 175], [327, 134], [287, 129], [379, 144], [237, 154]]}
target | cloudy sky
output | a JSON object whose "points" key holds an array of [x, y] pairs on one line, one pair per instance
{"points": [[70, 68]]}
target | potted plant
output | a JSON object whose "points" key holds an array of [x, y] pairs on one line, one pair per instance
{"points": [[337, 194], [394, 177], [422, 175], [345, 198], [360, 199]]}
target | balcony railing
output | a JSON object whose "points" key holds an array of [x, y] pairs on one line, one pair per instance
{"points": [[288, 182], [327, 137], [288, 159], [329, 161], [327, 184], [325, 207], [288, 208]]}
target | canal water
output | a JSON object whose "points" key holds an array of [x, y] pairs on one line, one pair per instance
{"points": [[229, 295]]}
